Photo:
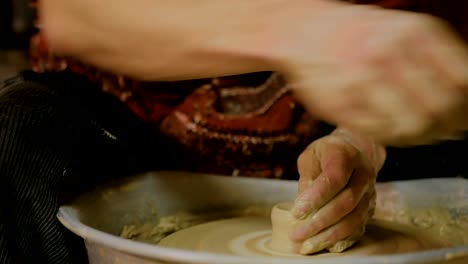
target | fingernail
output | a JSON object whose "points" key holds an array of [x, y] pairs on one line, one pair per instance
{"points": [[299, 211], [297, 234], [300, 233], [312, 246]]}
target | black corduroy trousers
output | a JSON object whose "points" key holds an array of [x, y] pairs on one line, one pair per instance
{"points": [[59, 136]]}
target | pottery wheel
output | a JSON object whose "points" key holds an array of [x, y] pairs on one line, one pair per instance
{"points": [[250, 236]]}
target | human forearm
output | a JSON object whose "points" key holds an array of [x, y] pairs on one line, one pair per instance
{"points": [[178, 39]]}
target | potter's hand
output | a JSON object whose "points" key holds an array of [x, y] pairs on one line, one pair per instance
{"points": [[398, 77], [336, 191]]}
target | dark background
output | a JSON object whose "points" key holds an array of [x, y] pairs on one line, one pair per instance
{"points": [[16, 26]]}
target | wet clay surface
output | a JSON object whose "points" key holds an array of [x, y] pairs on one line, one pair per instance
{"points": [[249, 232], [404, 232], [251, 236]]}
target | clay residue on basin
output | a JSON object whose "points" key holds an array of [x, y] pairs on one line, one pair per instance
{"points": [[249, 235], [152, 233]]}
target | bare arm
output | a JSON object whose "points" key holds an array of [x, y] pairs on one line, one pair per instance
{"points": [[177, 39], [347, 64]]}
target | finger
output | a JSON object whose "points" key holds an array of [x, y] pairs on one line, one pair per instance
{"points": [[379, 102], [447, 101], [337, 166], [400, 117], [363, 114], [447, 52], [342, 245], [428, 96], [431, 91], [308, 166], [340, 206], [359, 112], [409, 91], [343, 229], [313, 90], [344, 97], [367, 103], [447, 55]]}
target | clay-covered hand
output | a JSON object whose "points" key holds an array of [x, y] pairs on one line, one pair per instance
{"points": [[398, 77], [336, 191]]}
